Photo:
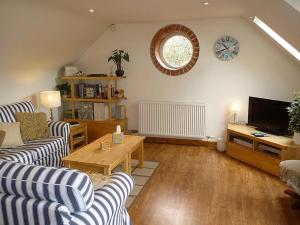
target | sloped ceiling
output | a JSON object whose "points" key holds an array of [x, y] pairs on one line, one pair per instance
{"points": [[39, 39], [44, 35], [279, 15]]}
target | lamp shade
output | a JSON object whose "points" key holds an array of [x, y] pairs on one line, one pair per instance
{"points": [[50, 99], [235, 107]]}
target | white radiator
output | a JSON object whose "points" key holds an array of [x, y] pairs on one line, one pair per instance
{"points": [[172, 119]]}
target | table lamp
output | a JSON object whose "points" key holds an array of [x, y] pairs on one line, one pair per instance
{"points": [[235, 108], [50, 99]]}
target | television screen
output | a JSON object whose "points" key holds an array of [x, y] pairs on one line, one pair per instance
{"points": [[269, 115]]}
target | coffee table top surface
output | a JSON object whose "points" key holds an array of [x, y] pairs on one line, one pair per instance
{"points": [[92, 154]]}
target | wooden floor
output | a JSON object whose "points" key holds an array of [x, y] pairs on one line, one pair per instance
{"points": [[198, 186]]}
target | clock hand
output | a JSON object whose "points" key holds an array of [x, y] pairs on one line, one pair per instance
{"points": [[225, 46], [221, 50]]}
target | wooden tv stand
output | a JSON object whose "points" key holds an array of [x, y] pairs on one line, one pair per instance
{"points": [[252, 153]]}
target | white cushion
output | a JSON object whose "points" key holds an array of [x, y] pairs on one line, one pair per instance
{"points": [[290, 173], [12, 135]]}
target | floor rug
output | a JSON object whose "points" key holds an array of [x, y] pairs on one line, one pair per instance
{"points": [[141, 176]]}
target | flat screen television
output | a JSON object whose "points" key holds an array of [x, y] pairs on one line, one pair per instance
{"points": [[269, 116]]}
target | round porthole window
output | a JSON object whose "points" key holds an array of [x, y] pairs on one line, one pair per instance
{"points": [[174, 49]]}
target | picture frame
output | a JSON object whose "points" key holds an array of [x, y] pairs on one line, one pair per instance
{"points": [[90, 91]]}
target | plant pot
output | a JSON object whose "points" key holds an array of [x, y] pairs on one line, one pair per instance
{"points": [[297, 138], [119, 73]]}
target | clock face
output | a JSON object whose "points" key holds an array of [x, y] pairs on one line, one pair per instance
{"points": [[226, 48]]}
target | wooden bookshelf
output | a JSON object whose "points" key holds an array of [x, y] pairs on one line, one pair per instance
{"points": [[96, 129], [107, 78], [98, 100]]}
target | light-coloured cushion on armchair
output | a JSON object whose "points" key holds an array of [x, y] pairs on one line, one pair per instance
{"points": [[290, 173], [12, 135], [34, 126], [2, 136]]}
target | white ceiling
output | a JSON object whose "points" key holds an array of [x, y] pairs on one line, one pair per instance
{"points": [[279, 14], [124, 11], [50, 33]]}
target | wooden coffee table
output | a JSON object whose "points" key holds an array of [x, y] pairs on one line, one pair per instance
{"points": [[91, 159]]}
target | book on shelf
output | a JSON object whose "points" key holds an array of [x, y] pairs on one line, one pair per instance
{"points": [[101, 111], [80, 88], [119, 112], [85, 111], [93, 91]]}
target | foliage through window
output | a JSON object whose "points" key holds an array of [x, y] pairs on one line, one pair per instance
{"points": [[177, 51], [174, 49]]}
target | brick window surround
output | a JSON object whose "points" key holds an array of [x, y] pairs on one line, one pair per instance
{"points": [[161, 36]]}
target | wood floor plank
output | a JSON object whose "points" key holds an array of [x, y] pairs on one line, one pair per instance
{"points": [[197, 186]]}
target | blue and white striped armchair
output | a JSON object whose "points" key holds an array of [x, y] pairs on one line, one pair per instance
{"points": [[36, 195], [46, 152]]}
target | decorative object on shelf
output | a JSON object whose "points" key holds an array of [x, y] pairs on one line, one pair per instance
{"points": [[235, 108], [65, 89], [294, 113], [97, 75], [105, 145], [118, 136], [50, 99], [119, 56], [121, 93], [71, 70], [80, 73], [90, 91], [85, 111], [226, 48]]}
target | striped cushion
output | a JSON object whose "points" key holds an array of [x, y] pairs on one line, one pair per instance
{"points": [[34, 150], [7, 112], [23, 211], [108, 207], [65, 186]]}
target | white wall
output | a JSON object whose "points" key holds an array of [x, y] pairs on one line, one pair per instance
{"points": [[35, 42], [261, 69]]}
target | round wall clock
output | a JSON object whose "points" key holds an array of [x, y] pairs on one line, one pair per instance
{"points": [[226, 48]]}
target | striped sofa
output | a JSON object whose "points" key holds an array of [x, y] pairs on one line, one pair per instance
{"points": [[35, 189], [31, 194], [47, 152]]}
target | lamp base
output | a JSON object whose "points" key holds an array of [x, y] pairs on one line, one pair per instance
{"points": [[51, 115], [235, 118]]}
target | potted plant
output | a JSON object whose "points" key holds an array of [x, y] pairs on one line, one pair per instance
{"points": [[294, 113], [65, 89], [119, 56]]}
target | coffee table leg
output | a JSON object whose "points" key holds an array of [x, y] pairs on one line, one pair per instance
{"points": [[129, 163], [141, 155], [125, 165], [107, 171], [67, 164]]}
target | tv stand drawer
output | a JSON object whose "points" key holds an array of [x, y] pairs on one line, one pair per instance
{"points": [[255, 158]]}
